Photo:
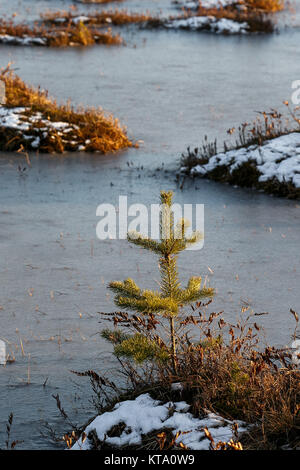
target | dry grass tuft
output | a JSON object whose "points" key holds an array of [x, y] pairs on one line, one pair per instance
{"points": [[258, 21], [223, 367], [267, 126], [100, 18], [57, 36], [230, 372], [88, 129], [265, 5]]}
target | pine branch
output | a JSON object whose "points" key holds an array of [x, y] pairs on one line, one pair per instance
{"points": [[145, 242], [127, 288], [189, 297], [193, 292], [148, 303]]}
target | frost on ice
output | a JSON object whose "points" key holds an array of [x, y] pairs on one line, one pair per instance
{"points": [[144, 415], [277, 158]]}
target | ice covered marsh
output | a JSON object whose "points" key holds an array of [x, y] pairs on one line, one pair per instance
{"points": [[179, 378]]}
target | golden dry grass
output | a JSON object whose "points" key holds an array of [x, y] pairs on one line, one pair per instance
{"points": [[230, 372], [265, 5], [222, 366], [100, 18], [92, 129], [257, 20], [56, 36]]}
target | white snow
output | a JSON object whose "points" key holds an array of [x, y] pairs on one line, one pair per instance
{"points": [[80, 19], [279, 158], [14, 118], [222, 25], [35, 143], [194, 4], [23, 41], [216, 3], [144, 415], [177, 386]]}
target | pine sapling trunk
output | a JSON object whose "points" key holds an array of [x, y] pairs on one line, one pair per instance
{"points": [[171, 318], [173, 345]]}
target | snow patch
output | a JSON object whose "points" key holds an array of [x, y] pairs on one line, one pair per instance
{"points": [[194, 4], [219, 26], [23, 41], [277, 158], [144, 415], [216, 3], [15, 118], [80, 19]]}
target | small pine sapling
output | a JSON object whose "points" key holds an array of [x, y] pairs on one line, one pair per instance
{"points": [[167, 302]]}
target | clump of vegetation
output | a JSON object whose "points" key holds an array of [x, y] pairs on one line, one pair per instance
{"points": [[267, 126], [77, 34], [265, 5], [219, 365], [9, 444], [101, 18], [257, 14], [98, 1], [257, 21], [31, 120]]}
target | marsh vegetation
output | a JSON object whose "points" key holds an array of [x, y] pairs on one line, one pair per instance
{"points": [[31, 120]]}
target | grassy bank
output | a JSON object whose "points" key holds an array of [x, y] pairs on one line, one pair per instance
{"points": [[264, 157], [32, 121], [115, 17], [56, 36], [225, 369], [70, 28], [256, 16], [252, 20]]}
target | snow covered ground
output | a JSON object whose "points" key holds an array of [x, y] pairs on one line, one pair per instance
{"points": [[216, 3], [194, 4], [74, 20], [211, 23], [279, 158], [16, 119], [144, 415], [22, 41]]}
